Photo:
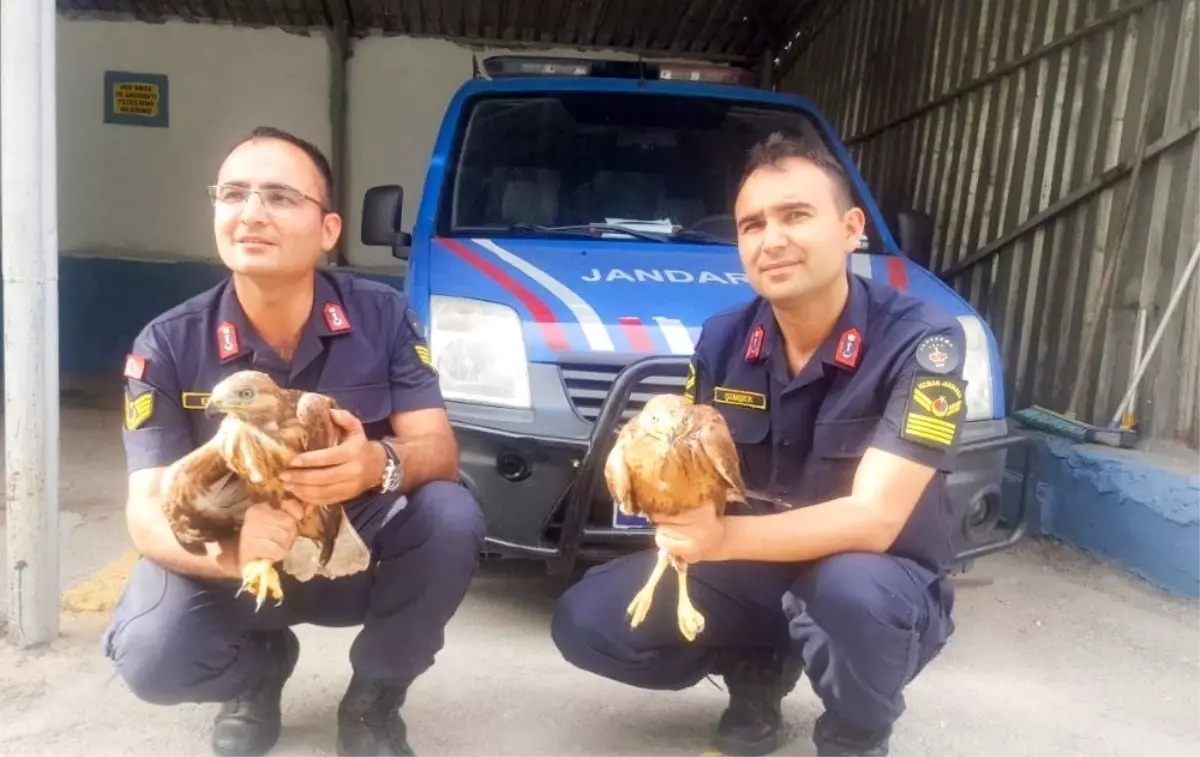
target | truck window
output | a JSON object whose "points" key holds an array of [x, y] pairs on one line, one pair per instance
{"points": [[556, 159]]}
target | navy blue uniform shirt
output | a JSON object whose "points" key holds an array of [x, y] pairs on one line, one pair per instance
{"points": [[361, 345], [889, 376]]}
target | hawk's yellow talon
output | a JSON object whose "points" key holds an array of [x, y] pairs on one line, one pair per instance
{"points": [[260, 579], [691, 622], [640, 606]]}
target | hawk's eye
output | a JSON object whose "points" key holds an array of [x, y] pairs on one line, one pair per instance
{"points": [[246, 394]]}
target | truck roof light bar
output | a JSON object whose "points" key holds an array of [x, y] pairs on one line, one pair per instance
{"points": [[509, 66]]}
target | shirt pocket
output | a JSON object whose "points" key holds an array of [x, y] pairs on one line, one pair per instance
{"points": [[368, 402], [751, 430], [837, 447]]}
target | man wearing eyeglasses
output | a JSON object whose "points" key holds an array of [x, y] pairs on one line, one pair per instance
{"points": [[180, 632]]}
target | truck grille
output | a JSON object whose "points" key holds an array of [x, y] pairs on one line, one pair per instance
{"points": [[588, 386]]}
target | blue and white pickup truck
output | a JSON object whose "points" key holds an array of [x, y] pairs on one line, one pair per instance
{"points": [[574, 233]]}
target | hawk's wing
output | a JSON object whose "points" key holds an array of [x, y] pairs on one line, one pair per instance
{"points": [[717, 446], [331, 546], [312, 415], [203, 499], [616, 472]]}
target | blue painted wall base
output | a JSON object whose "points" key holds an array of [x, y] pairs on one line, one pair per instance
{"points": [[1123, 505], [105, 302]]}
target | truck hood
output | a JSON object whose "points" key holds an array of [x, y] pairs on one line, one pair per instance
{"points": [[613, 299]]}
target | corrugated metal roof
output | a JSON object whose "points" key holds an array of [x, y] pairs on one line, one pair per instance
{"points": [[713, 29]]}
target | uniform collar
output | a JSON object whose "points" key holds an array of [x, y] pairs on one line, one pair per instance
{"points": [[843, 349], [235, 337]]}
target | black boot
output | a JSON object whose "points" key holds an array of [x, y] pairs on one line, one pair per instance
{"points": [[757, 682], [834, 736], [369, 721], [249, 725]]}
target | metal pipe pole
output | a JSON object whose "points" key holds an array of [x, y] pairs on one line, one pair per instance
{"points": [[28, 203]]}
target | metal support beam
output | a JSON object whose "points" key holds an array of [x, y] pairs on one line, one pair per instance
{"points": [[29, 196], [339, 54], [1068, 201]]}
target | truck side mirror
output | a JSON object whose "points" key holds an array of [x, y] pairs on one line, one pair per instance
{"points": [[382, 208], [914, 232]]}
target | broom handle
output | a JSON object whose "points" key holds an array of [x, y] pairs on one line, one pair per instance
{"points": [[1158, 332]]}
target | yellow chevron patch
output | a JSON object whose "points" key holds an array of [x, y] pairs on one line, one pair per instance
{"points": [[423, 355], [138, 410], [934, 411]]}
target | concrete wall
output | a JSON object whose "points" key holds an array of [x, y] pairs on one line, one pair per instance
{"points": [[134, 219], [136, 191], [139, 191]]}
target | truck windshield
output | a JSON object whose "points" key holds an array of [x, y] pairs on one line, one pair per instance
{"points": [[551, 164]]}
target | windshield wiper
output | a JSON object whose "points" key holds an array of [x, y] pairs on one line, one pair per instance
{"points": [[689, 235], [589, 230]]}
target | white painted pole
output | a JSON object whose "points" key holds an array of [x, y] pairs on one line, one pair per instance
{"points": [[28, 203]]}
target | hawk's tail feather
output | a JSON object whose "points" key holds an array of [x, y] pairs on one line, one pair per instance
{"points": [[331, 519], [347, 552]]}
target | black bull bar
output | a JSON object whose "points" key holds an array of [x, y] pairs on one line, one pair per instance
{"points": [[590, 478]]}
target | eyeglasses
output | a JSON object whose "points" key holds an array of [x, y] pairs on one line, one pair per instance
{"points": [[276, 198]]}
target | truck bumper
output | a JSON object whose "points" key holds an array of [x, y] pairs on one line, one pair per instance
{"points": [[544, 496]]}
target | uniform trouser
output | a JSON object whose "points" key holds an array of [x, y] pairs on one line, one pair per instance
{"points": [[177, 639], [862, 624]]}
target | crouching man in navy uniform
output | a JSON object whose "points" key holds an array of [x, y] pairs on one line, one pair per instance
{"points": [[844, 398], [180, 632]]}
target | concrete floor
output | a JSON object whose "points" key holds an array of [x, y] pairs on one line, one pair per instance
{"points": [[1055, 654]]}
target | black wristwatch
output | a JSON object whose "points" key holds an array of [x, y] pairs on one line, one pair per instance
{"points": [[392, 472]]}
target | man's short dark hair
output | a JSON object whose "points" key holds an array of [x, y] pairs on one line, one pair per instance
{"points": [[312, 151], [777, 148]]}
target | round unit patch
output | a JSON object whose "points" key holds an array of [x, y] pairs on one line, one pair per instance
{"points": [[414, 323], [938, 354]]}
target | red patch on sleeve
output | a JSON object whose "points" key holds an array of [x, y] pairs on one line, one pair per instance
{"points": [[135, 366]]}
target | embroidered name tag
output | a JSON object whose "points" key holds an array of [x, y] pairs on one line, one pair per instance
{"points": [[934, 412], [194, 400], [740, 398]]}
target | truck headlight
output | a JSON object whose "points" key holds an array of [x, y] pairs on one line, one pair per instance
{"points": [[977, 369], [478, 349]]}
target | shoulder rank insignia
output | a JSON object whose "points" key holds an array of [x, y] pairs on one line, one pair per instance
{"points": [[138, 410], [937, 354], [934, 412]]}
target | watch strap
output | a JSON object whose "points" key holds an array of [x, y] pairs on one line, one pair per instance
{"points": [[392, 471]]}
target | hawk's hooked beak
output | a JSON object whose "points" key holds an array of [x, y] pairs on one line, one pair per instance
{"points": [[214, 407]]}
